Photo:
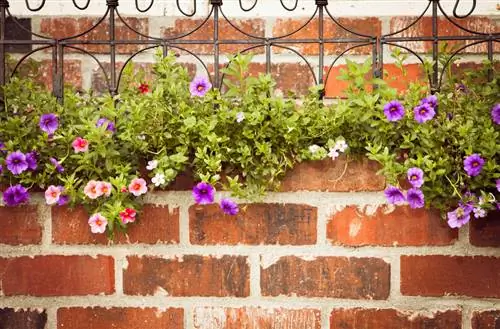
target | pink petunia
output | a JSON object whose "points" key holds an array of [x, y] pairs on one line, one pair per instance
{"points": [[128, 215], [138, 187], [80, 145], [52, 194], [91, 190], [98, 223], [104, 188]]}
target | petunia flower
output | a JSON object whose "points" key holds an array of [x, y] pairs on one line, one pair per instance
{"points": [[63, 199], [16, 162], [56, 164], [394, 111], [104, 188], [314, 148], [229, 207], [495, 113], [31, 159], [240, 116], [424, 112], [158, 179], [415, 198], [91, 190], [52, 195], [199, 86], [143, 88], [110, 126], [341, 145], [459, 217], [473, 164], [479, 212], [128, 215], [394, 195], [15, 195], [98, 223], [432, 100], [138, 187], [203, 193], [152, 165], [498, 184], [333, 153], [415, 177], [49, 123], [80, 145]]}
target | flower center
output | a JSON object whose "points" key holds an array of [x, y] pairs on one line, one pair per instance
{"points": [[137, 186], [16, 161], [53, 194], [475, 164], [393, 109], [423, 111], [199, 87], [203, 191], [460, 212], [414, 177], [93, 189]]}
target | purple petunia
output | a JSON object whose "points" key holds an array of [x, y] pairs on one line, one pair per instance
{"points": [[394, 195], [199, 86], [459, 217], [498, 184], [495, 113], [31, 159], [16, 162], [432, 100], [56, 164], [394, 111], [110, 126], [49, 123], [3, 148], [15, 195], [229, 207], [203, 193], [424, 112], [415, 177], [473, 164], [415, 198]]}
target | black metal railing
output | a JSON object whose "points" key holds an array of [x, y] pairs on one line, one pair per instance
{"points": [[216, 15]]}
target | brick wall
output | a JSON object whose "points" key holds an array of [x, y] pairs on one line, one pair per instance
{"points": [[324, 253]]}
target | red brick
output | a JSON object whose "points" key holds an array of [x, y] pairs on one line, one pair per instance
{"points": [[22, 319], [256, 318], [287, 224], [226, 32], [334, 176], [188, 275], [119, 318], [20, 225], [154, 225], [445, 28], [450, 275], [358, 318], [486, 320], [367, 26], [485, 232], [57, 275], [64, 27], [72, 70], [402, 226], [338, 277]]}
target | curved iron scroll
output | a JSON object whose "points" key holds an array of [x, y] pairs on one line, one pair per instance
{"points": [[210, 31]]}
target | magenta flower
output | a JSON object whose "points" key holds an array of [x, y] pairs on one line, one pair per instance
{"points": [[52, 194], [424, 112], [498, 184], [495, 113], [31, 159], [137, 186], [415, 177], [415, 198], [49, 123], [459, 217], [98, 223], [110, 126], [473, 164], [203, 193], [229, 207], [16, 162], [394, 195], [15, 195], [63, 199], [80, 145], [199, 86], [394, 111]]}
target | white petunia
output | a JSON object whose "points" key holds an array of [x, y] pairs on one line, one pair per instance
{"points": [[314, 148], [341, 146], [152, 165], [333, 153], [240, 116], [159, 179]]}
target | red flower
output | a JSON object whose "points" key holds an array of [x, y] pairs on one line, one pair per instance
{"points": [[128, 215], [124, 189], [144, 88]]}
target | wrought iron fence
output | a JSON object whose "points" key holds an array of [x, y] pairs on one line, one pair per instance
{"points": [[216, 15]]}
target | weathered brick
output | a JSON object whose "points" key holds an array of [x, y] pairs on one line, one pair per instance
{"points": [[485, 232], [486, 320], [341, 175], [206, 32], [339, 277], [370, 26], [65, 27], [22, 319], [445, 28], [72, 70], [155, 224], [57, 275], [358, 318], [293, 224], [119, 318], [187, 275], [256, 318], [20, 225], [438, 275], [401, 226]]}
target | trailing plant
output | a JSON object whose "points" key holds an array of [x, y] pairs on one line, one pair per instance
{"points": [[106, 153]]}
